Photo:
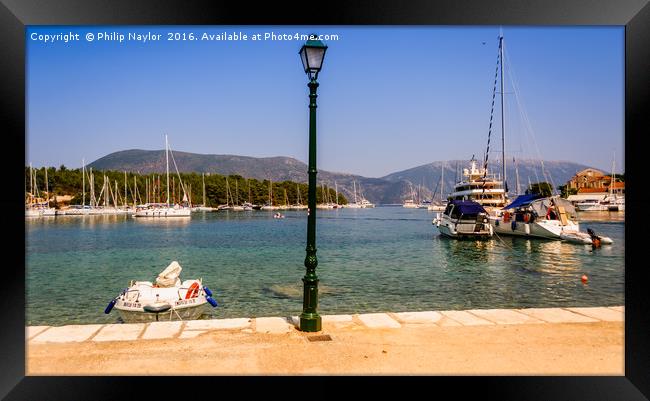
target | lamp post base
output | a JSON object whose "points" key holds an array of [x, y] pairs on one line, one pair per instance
{"points": [[310, 322]]}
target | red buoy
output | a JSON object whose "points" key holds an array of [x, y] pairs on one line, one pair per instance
{"points": [[584, 278]]}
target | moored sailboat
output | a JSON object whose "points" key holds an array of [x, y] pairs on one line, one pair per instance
{"points": [[166, 209]]}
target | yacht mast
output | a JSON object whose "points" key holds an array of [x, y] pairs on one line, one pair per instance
{"points": [[611, 181], [442, 182], [204, 189], [47, 189], [31, 184], [167, 162], [336, 190], [517, 175], [503, 121]]}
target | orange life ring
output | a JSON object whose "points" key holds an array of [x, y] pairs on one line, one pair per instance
{"points": [[193, 291], [506, 217]]}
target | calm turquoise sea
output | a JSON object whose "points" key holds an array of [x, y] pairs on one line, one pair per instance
{"points": [[369, 260]]}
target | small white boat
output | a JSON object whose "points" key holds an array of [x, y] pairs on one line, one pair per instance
{"points": [[278, 216], [166, 299], [588, 238]]}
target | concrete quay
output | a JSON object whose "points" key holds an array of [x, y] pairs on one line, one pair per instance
{"points": [[588, 340]]}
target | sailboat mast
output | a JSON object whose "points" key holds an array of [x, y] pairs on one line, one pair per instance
{"points": [[442, 182], [517, 174], [47, 189], [611, 181], [204, 189], [503, 121], [125, 194], [336, 190], [167, 163]]}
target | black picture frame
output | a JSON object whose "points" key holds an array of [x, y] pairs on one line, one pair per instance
{"points": [[15, 15]]}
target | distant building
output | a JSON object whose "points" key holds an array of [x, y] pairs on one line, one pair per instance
{"points": [[592, 184]]}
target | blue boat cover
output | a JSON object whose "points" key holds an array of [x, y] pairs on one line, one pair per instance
{"points": [[467, 207], [523, 200]]}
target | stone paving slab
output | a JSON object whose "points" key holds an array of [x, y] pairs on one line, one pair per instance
{"points": [[191, 333], [71, 333], [504, 316], [605, 314], [556, 315], [33, 331], [419, 317], [156, 330], [215, 324], [119, 332], [273, 325], [465, 318], [379, 321]]}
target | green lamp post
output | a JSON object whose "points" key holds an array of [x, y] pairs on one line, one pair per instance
{"points": [[312, 54]]}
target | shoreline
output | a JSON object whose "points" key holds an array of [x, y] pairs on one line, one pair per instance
{"points": [[550, 341]]}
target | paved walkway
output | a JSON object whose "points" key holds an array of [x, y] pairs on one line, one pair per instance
{"points": [[500, 341]]}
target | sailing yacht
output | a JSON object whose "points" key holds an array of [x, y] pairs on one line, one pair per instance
{"points": [[439, 205], [535, 215], [365, 203], [32, 206], [269, 204], [166, 209], [203, 207], [410, 203], [355, 204]]}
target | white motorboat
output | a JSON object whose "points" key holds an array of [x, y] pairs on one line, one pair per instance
{"points": [[410, 204], [464, 219], [166, 299], [535, 216], [591, 205]]}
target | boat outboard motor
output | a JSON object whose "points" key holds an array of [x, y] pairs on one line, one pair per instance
{"points": [[595, 239]]}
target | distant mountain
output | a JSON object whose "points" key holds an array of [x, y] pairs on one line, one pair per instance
{"points": [[393, 188]]}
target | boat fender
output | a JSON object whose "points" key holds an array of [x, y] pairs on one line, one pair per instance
{"points": [[207, 291], [526, 217], [513, 225], [496, 222], [110, 306], [212, 301], [506, 217], [527, 228], [193, 291]]}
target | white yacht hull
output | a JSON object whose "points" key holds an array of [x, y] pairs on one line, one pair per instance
{"points": [[550, 229], [164, 212], [454, 228]]}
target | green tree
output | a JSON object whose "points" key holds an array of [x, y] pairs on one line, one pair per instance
{"points": [[540, 188]]}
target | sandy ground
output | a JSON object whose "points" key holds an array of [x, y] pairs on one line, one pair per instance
{"points": [[417, 349]]}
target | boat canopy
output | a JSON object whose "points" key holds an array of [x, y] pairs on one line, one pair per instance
{"points": [[467, 207], [522, 200]]}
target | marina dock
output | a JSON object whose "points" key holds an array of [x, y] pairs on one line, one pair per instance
{"points": [[530, 341]]}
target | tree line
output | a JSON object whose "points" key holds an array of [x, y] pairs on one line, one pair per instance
{"points": [[137, 188]]}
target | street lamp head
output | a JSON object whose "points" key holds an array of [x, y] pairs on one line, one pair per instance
{"points": [[312, 54]]}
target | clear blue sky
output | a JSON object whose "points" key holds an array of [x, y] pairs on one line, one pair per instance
{"points": [[390, 98]]}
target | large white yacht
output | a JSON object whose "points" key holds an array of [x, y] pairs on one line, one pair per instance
{"points": [[480, 186]]}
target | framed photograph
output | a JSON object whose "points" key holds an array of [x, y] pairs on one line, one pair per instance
{"points": [[434, 190]]}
